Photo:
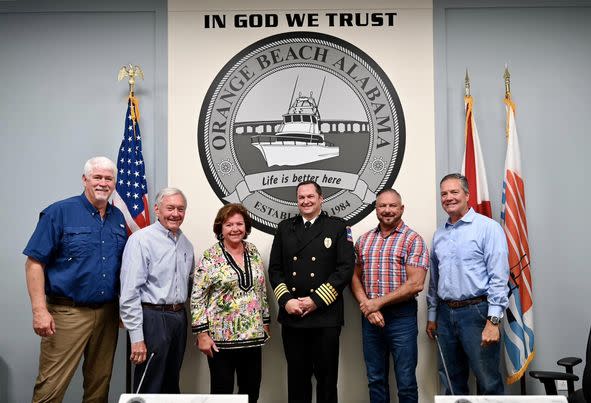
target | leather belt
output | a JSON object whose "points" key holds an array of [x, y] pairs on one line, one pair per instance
{"points": [[164, 307], [465, 302], [65, 301]]}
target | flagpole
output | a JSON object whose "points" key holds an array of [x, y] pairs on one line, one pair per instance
{"points": [[132, 72]]}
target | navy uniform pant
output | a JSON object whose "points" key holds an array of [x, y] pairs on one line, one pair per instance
{"points": [[311, 352]]}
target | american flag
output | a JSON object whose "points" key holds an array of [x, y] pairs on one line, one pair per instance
{"points": [[131, 194], [473, 165], [518, 326]]}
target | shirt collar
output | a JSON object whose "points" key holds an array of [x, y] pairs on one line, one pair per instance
{"points": [[90, 207], [467, 218], [398, 228], [165, 231], [312, 221]]}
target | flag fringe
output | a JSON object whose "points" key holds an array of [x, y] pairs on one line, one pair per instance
{"points": [[135, 109], [517, 376]]}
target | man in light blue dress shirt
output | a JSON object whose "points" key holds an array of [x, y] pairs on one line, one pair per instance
{"points": [[468, 292], [157, 267]]}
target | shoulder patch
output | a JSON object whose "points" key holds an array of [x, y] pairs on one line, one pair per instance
{"points": [[349, 234]]}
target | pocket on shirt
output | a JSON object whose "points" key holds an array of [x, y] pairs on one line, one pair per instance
{"points": [[77, 241], [398, 263], [120, 235]]}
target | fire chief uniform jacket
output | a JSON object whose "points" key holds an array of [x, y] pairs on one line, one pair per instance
{"points": [[317, 262]]}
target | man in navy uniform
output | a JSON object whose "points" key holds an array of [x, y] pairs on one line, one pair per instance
{"points": [[312, 261]]}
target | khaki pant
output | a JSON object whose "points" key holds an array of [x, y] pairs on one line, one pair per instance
{"points": [[79, 331]]}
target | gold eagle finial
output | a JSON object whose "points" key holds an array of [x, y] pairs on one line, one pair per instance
{"points": [[132, 72]]}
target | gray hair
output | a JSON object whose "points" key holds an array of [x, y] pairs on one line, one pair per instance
{"points": [[100, 163], [169, 192], [463, 180]]}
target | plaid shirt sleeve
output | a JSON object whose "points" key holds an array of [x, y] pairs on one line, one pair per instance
{"points": [[417, 252]]}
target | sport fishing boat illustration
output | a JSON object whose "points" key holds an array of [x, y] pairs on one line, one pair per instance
{"points": [[298, 139]]}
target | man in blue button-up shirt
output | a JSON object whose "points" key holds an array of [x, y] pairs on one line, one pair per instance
{"points": [[72, 270], [155, 275], [467, 291]]}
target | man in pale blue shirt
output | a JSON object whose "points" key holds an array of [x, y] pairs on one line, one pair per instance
{"points": [[468, 292], [157, 267]]}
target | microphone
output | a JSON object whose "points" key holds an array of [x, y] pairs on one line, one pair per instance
{"points": [[451, 389], [144, 374]]}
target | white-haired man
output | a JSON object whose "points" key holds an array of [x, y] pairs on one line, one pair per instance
{"points": [[72, 270], [158, 262]]}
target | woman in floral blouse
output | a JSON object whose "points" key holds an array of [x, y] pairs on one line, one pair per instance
{"points": [[229, 307]]}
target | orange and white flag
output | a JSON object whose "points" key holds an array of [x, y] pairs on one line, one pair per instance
{"points": [[518, 326]]}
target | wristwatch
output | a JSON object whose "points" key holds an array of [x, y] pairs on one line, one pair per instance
{"points": [[495, 320]]}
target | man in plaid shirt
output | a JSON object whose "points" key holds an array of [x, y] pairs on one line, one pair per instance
{"points": [[392, 262]]}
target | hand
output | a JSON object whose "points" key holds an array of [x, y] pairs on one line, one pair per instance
{"points": [[267, 330], [307, 305], [43, 323], [369, 306], [293, 307], [206, 344], [490, 335], [138, 352], [376, 319], [431, 329]]}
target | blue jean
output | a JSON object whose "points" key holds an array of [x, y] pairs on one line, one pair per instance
{"points": [[399, 337], [460, 335]]}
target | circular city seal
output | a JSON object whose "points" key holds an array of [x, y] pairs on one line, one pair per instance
{"points": [[301, 106]]}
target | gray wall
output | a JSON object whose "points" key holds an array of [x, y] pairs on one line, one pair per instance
{"points": [[548, 49], [60, 103]]}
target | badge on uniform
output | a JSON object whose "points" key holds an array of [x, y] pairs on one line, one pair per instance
{"points": [[349, 234], [327, 242]]}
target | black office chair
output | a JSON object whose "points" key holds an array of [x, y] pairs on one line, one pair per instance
{"points": [[549, 379]]}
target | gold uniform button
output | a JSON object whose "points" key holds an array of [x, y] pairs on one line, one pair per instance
{"points": [[311, 290], [311, 274], [295, 258], [293, 288], [313, 258], [294, 273]]}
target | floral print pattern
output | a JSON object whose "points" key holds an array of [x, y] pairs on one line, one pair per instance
{"points": [[234, 317]]}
